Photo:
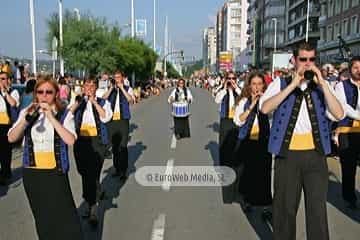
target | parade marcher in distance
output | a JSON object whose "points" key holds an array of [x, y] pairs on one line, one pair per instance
{"points": [[348, 132], [91, 114], [228, 131], [120, 96], [300, 140], [255, 180], [48, 130], [180, 98], [9, 103]]}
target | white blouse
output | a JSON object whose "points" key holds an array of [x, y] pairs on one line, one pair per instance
{"points": [[88, 116], [117, 105], [14, 94], [42, 132]]}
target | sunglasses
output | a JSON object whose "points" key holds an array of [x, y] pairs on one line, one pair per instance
{"points": [[231, 78], [47, 92], [312, 59]]}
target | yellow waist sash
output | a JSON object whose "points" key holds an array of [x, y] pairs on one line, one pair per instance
{"points": [[4, 118], [88, 131], [44, 160], [254, 133], [302, 142], [231, 112], [116, 116], [354, 129]]}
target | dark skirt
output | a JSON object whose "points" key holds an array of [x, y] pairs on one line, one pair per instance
{"points": [[255, 180], [181, 127], [52, 204], [228, 134]]}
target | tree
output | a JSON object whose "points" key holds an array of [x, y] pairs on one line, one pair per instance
{"points": [[96, 46]]}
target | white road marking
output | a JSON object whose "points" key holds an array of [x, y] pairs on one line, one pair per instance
{"points": [[173, 142], [158, 228], [169, 168]]}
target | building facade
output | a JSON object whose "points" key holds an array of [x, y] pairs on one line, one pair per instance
{"points": [[232, 32], [296, 22], [262, 18], [338, 18], [209, 49]]}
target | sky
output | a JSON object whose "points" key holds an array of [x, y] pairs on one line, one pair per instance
{"points": [[186, 19]]}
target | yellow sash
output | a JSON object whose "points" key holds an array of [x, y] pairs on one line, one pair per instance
{"points": [[116, 116], [254, 133], [354, 129], [88, 131], [4, 118], [44, 160], [231, 112], [302, 142]]}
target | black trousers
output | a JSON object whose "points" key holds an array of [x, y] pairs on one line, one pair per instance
{"points": [[5, 152], [296, 172], [52, 205], [89, 157], [227, 140], [119, 138], [181, 127], [349, 152]]}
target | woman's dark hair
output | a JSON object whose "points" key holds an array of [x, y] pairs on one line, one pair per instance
{"points": [[246, 92], [62, 81], [30, 85]]}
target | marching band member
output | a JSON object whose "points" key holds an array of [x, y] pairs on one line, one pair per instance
{"points": [[121, 96], [300, 140], [48, 130], [228, 130], [181, 123], [9, 102], [348, 131], [253, 136], [91, 114]]}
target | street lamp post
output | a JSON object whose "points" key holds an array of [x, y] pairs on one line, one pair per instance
{"points": [[132, 35], [307, 21], [61, 38], [154, 25], [32, 23], [275, 33]]}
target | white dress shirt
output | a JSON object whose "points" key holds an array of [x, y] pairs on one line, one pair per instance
{"points": [[303, 124], [130, 91], [349, 111], [221, 94], [88, 116], [14, 94], [240, 110]]}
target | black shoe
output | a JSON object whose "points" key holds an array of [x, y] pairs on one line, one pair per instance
{"points": [[93, 219], [2, 181], [123, 176]]}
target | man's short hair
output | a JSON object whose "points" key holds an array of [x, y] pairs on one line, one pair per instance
{"points": [[304, 46], [354, 59], [118, 71], [92, 79], [6, 73]]}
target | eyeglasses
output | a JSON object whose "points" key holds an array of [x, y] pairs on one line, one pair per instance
{"points": [[47, 92], [303, 59], [231, 78]]}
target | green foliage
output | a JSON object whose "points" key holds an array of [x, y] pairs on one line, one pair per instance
{"points": [[96, 46], [192, 68]]}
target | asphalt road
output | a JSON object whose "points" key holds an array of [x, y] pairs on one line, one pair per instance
{"points": [[133, 211]]}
